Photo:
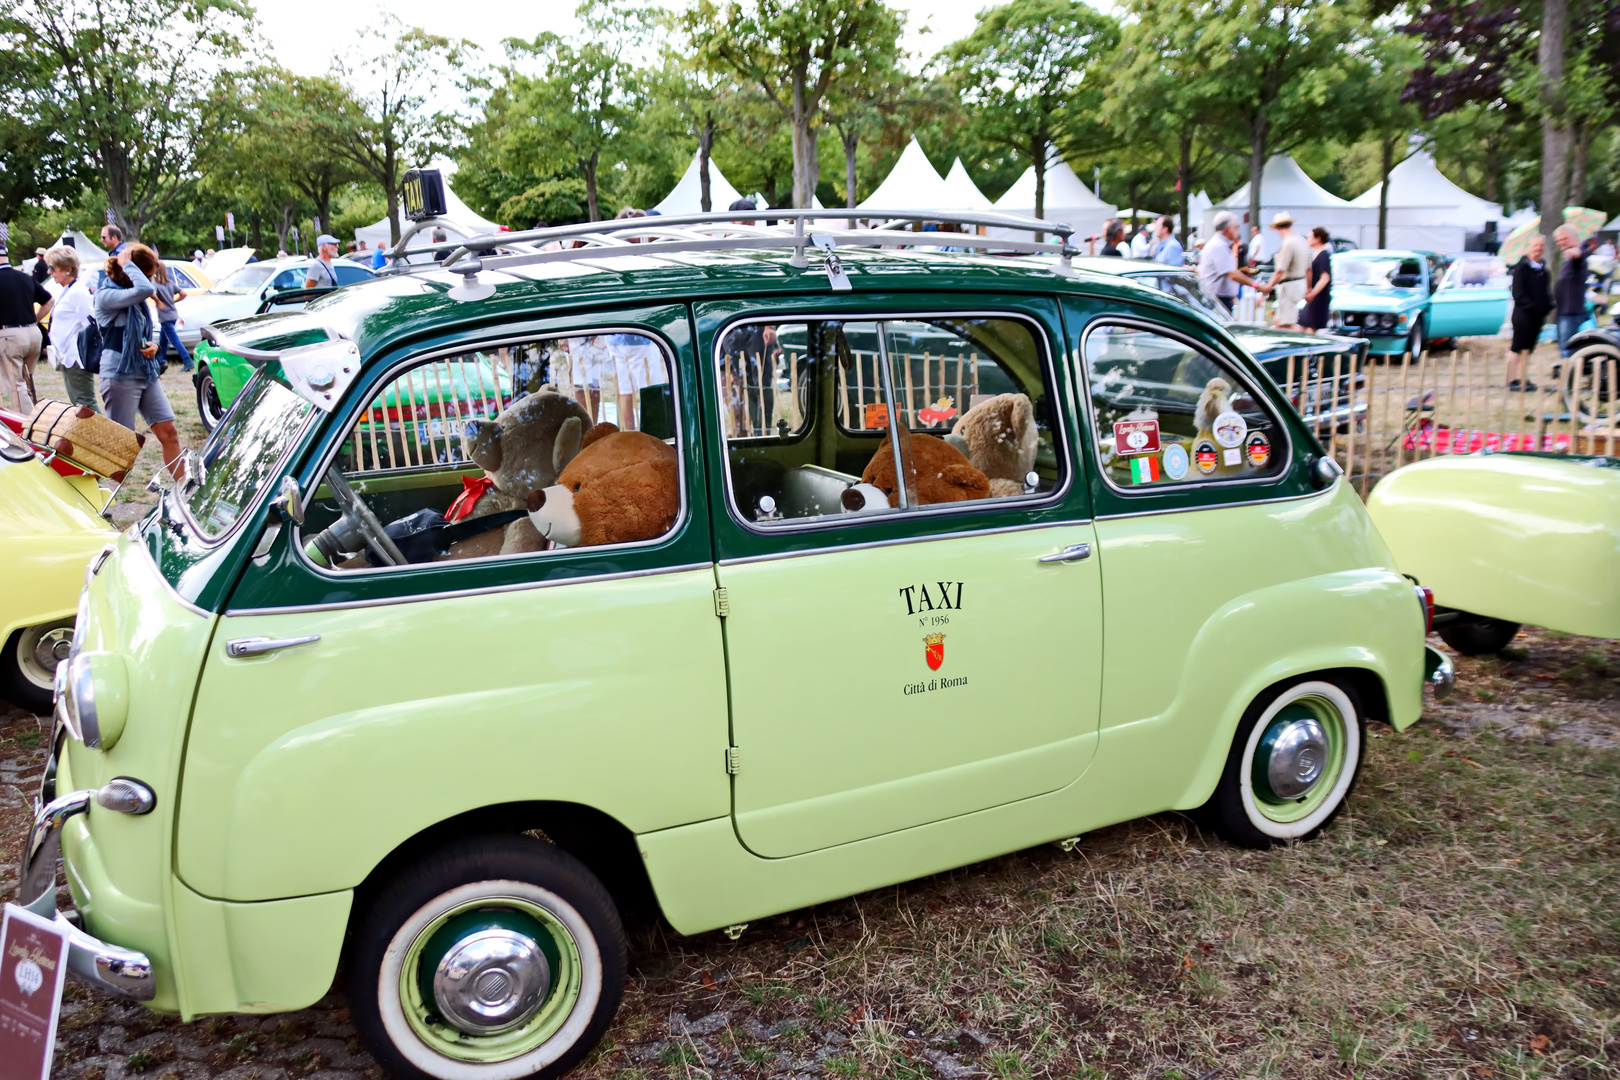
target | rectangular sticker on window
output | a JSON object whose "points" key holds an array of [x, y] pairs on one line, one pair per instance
{"points": [[877, 415], [1136, 437], [1144, 470]]}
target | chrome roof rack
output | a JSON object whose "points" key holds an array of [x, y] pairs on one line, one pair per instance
{"points": [[730, 230]]}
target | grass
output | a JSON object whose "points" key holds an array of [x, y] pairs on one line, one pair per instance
{"points": [[1460, 919]]}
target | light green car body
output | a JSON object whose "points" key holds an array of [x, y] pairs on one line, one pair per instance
{"points": [[757, 761], [1525, 538]]}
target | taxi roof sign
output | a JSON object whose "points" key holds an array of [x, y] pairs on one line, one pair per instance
{"points": [[421, 193]]}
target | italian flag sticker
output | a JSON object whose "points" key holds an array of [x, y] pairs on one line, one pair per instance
{"points": [[1144, 469]]}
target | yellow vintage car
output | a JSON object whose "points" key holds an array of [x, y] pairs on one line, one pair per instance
{"points": [[1508, 539], [50, 528]]}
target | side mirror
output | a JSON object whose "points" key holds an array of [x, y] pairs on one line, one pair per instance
{"points": [[290, 500], [1324, 470]]}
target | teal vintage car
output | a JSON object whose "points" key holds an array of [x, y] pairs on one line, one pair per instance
{"points": [[1399, 301], [782, 642], [1507, 539]]}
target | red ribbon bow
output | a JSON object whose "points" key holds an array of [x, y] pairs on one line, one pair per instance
{"points": [[472, 489]]}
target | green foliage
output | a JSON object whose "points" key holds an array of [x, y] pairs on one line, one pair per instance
{"points": [[556, 202]]}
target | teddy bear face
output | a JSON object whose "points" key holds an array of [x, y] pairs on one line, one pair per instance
{"points": [[529, 443], [942, 474], [621, 488], [1000, 437]]}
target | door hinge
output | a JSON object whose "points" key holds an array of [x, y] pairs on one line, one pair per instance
{"points": [[722, 603], [733, 760]]}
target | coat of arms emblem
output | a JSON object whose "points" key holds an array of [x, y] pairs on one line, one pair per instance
{"points": [[934, 650]]}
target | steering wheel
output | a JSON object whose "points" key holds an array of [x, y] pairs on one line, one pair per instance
{"points": [[355, 509]]}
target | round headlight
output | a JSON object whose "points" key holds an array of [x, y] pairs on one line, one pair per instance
{"points": [[94, 701], [1387, 321]]}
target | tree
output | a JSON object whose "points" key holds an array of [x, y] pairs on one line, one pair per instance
{"points": [[1266, 67], [1028, 77], [584, 102], [872, 96], [391, 123], [696, 101], [1550, 57], [135, 85], [795, 52], [299, 122], [1372, 96]]}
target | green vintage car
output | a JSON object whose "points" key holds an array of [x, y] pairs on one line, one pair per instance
{"points": [[300, 725], [1506, 539]]}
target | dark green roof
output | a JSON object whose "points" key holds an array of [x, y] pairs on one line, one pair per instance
{"points": [[394, 308]]}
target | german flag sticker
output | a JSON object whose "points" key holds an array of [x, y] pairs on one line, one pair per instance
{"points": [[1205, 456]]}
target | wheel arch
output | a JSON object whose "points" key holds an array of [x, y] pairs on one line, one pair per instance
{"points": [[601, 842]]}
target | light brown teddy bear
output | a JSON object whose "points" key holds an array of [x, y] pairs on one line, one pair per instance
{"points": [[943, 474], [622, 487], [999, 438], [521, 450]]}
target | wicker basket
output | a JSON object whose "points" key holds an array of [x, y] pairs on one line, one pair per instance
{"points": [[84, 437]]}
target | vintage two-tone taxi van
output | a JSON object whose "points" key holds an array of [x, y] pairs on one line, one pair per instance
{"points": [[303, 720]]}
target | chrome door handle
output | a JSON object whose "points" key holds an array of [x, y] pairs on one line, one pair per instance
{"points": [[1072, 553], [258, 646]]}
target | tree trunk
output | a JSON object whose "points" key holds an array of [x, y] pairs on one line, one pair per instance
{"points": [[1259, 133], [1184, 183], [1386, 162], [1580, 153], [852, 141], [391, 188], [1038, 150], [1554, 130], [705, 144], [812, 167], [800, 121], [587, 169]]}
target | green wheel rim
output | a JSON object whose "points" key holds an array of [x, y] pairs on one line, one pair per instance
{"points": [[566, 979], [1324, 713]]}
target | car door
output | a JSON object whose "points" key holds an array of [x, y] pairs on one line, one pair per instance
{"points": [[1472, 300], [592, 674], [894, 660]]}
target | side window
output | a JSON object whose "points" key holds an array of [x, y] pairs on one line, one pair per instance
{"points": [[348, 273], [828, 419], [506, 450], [288, 279], [1167, 413]]}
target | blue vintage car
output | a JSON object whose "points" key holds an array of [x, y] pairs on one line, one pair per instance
{"points": [[1399, 300]]}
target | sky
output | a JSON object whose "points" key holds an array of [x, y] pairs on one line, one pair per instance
{"points": [[305, 34]]}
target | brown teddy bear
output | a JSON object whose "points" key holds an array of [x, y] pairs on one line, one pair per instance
{"points": [[622, 487], [999, 438], [943, 473], [521, 450]]}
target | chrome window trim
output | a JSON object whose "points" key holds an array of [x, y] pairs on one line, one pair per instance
{"points": [[900, 540], [1021, 502], [456, 594], [296, 536], [1082, 377], [1329, 490], [251, 510]]}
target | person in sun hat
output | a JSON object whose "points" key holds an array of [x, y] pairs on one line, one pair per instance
{"points": [[321, 273], [1288, 274]]}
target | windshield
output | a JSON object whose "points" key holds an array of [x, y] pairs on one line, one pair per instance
{"points": [[246, 280], [1487, 273], [1377, 269], [242, 453], [1189, 290]]}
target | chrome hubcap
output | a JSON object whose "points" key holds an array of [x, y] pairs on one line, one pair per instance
{"points": [[1297, 756], [53, 647], [491, 981]]}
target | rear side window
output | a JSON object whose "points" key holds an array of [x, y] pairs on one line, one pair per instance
{"points": [[348, 274], [1168, 413], [830, 419]]}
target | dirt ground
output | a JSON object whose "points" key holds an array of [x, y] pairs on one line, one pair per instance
{"points": [[1461, 918]]}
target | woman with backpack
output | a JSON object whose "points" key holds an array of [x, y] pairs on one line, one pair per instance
{"points": [[69, 315], [129, 360]]}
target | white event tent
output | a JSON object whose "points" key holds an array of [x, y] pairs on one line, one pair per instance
{"points": [[1068, 201], [687, 195], [1428, 212], [378, 235], [913, 184], [88, 250], [961, 192], [1284, 186]]}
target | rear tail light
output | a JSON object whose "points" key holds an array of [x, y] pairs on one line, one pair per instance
{"points": [[1425, 597]]}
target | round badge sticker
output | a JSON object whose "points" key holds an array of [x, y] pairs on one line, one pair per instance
{"points": [[1206, 456], [1258, 450], [1229, 429], [1174, 461]]}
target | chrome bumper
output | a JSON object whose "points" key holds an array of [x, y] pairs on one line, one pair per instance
{"points": [[116, 970], [1438, 672]]}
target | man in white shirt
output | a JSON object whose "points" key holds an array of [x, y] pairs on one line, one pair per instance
{"points": [[1288, 277], [1218, 266]]}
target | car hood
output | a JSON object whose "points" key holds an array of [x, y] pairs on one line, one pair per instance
{"points": [[1268, 339], [1372, 298], [203, 309]]}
